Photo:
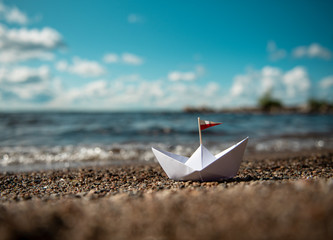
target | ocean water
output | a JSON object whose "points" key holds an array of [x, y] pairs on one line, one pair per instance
{"points": [[43, 140]]}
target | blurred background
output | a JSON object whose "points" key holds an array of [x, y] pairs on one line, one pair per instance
{"points": [[94, 80]]}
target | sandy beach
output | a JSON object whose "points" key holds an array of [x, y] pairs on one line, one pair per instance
{"points": [[272, 197]]}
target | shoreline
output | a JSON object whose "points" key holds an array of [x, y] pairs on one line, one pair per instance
{"points": [[272, 196], [250, 155]]}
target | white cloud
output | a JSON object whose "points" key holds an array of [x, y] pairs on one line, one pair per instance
{"points": [[326, 82], [23, 44], [270, 78], [186, 76], [16, 16], [240, 84], [12, 15], [132, 59], [23, 84], [86, 68], [326, 88], [24, 74], [292, 86], [12, 55], [297, 82], [111, 58], [134, 18], [315, 50], [62, 66], [81, 67], [131, 92], [92, 91], [126, 58], [124, 93], [275, 53], [181, 76], [212, 89], [97, 88], [23, 38]]}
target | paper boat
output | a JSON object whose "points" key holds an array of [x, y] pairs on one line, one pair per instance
{"points": [[202, 165]]}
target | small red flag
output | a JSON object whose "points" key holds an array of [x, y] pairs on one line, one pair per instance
{"points": [[207, 124]]}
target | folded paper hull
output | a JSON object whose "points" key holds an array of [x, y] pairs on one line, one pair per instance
{"points": [[202, 165]]}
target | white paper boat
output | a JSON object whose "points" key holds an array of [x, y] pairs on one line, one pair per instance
{"points": [[202, 165]]}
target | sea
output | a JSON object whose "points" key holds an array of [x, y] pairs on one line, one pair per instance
{"points": [[32, 141]]}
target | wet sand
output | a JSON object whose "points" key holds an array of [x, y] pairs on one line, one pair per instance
{"points": [[286, 196]]}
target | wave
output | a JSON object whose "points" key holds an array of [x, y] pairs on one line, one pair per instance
{"points": [[54, 139], [24, 158]]}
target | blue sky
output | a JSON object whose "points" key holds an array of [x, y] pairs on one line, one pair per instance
{"points": [[157, 55]]}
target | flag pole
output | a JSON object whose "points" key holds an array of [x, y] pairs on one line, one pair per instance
{"points": [[199, 130]]}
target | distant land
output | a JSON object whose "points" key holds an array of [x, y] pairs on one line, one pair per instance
{"points": [[312, 107]]}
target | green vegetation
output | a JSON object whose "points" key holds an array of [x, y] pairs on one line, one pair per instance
{"points": [[202, 109], [321, 106], [267, 103]]}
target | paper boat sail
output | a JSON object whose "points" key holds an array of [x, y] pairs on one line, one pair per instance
{"points": [[202, 165]]}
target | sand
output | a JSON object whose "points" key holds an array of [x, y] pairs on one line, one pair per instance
{"points": [[272, 197]]}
